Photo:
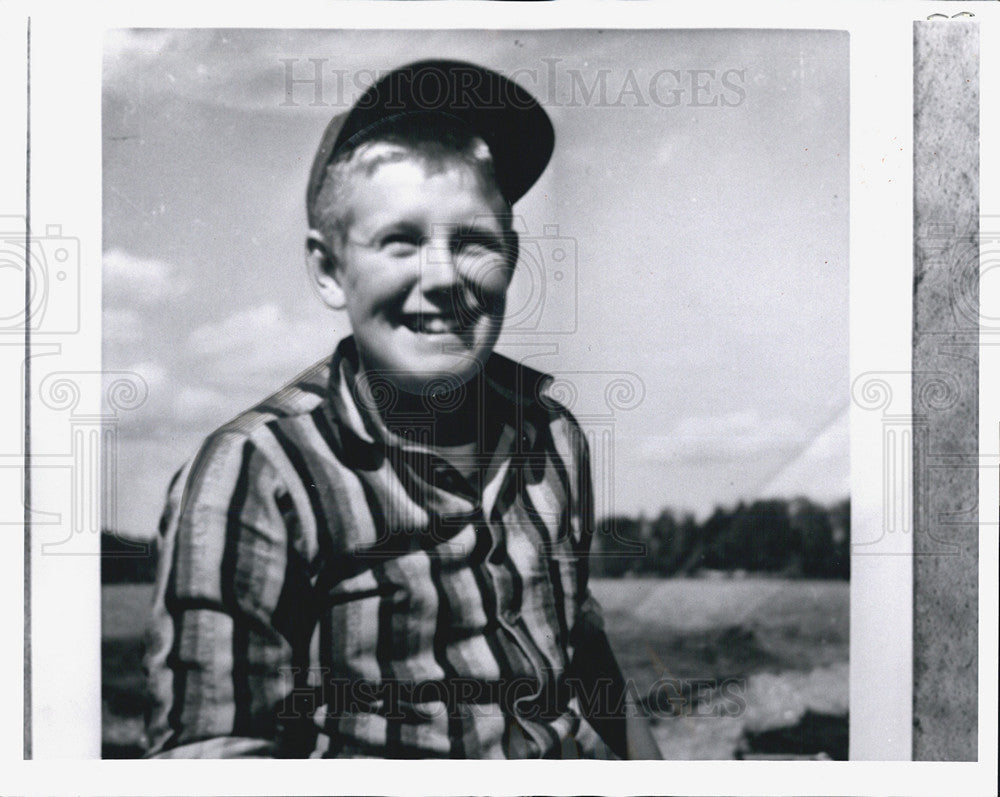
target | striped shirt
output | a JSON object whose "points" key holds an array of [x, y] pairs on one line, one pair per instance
{"points": [[329, 588]]}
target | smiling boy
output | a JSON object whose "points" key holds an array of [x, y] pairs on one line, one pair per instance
{"points": [[388, 557]]}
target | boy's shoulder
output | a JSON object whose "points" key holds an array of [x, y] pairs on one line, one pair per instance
{"points": [[300, 396], [220, 449]]}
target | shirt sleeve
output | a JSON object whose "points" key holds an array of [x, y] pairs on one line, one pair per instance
{"points": [[229, 635], [581, 508], [593, 671]]}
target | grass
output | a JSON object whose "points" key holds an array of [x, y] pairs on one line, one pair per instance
{"points": [[778, 649], [730, 627]]}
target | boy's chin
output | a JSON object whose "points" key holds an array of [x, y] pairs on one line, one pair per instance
{"points": [[437, 381]]}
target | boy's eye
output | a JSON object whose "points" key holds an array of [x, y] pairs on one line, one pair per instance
{"points": [[479, 245], [400, 244]]}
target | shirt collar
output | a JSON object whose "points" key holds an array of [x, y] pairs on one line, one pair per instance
{"points": [[514, 395]]}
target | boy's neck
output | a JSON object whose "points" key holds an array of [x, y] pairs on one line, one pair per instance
{"points": [[451, 420]]}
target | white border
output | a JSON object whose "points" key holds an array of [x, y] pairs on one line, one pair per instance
{"points": [[66, 108], [65, 586], [13, 98], [881, 275]]}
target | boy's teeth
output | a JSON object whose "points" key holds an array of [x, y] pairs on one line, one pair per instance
{"points": [[437, 325], [433, 324]]}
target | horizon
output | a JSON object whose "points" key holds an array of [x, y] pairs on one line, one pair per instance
{"points": [[640, 516]]}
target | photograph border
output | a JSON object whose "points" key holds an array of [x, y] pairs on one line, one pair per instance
{"points": [[876, 109]]}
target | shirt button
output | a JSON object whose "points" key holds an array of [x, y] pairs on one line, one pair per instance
{"points": [[510, 616]]}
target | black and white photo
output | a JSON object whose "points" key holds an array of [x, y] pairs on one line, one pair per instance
{"points": [[676, 273]]}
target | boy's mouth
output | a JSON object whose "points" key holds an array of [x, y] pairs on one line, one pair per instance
{"points": [[432, 323]]}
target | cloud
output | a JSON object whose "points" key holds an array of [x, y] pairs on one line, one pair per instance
{"points": [[121, 325], [126, 50], [701, 439], [156, 60], [194, 404], [131, 280], [255, 350], [822, 469], [153, 374], [238, 70], [236, 330], [220, 369], [713, 460]]}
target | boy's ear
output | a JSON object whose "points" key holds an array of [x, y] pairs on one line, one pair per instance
{"points": [[323, 271]]}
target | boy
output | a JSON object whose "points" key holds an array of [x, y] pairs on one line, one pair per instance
{"points": [[388, 556]]}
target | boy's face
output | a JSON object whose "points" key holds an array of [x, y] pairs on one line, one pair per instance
{"points": [[423, 272]]}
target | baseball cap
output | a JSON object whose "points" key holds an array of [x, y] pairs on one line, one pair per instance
{"points": [[512, 123]]}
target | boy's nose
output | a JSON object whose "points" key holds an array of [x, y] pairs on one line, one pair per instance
{"points": [[438, 268], [445, 285]]}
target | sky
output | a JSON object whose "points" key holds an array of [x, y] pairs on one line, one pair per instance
{"points": [[684, 271]]}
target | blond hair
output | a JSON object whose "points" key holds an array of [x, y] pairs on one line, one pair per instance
{"points": [[437, 144]]}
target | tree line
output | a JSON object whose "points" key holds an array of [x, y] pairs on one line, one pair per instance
{"points": [[792, 538], [788, 537]]}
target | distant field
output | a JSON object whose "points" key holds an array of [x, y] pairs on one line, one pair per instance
{"points": [[780, 647], [783, 624]]}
